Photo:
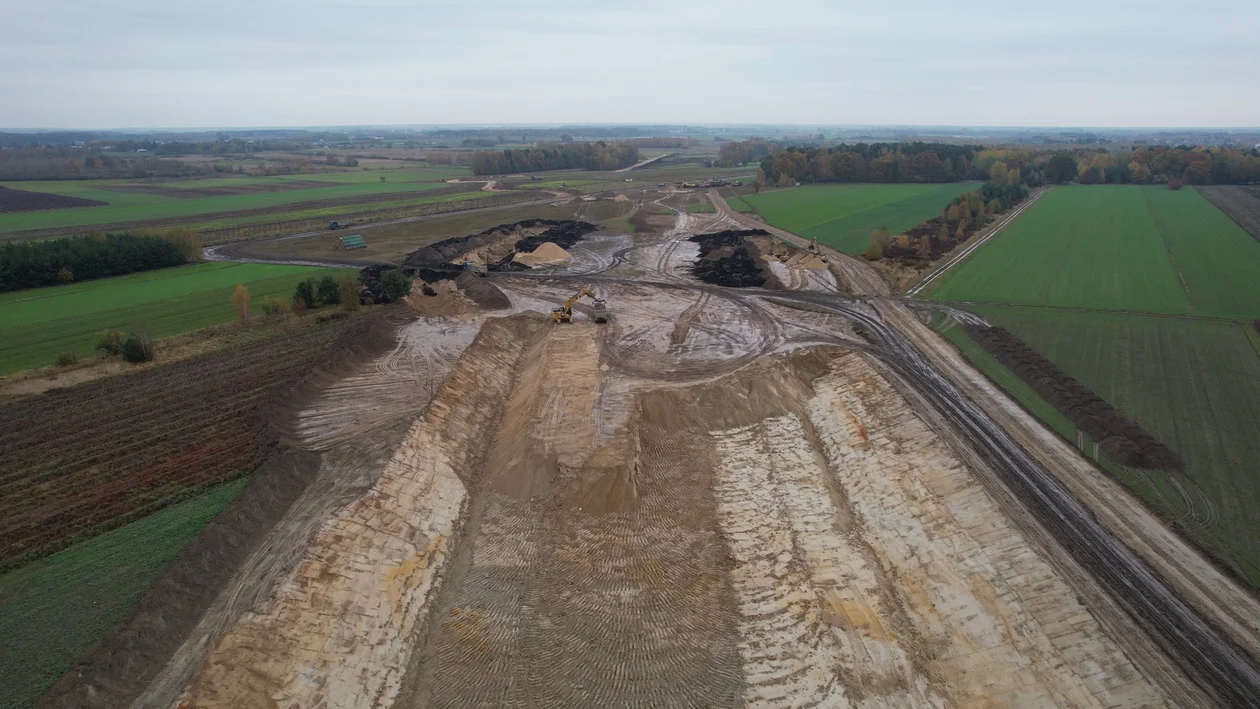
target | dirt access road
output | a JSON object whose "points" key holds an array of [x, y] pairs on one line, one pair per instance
{"points": [[722, 497]]}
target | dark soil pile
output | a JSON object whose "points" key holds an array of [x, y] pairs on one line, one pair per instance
{"points": [[370, 278], [727, 259], [433, 262], [482, 292], [1116, 434]]}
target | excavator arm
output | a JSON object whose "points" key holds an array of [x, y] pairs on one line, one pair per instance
{"points": [[565, 312]]}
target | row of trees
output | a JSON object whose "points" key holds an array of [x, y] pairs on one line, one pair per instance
{"points": [[33, 264], [555, 156], [867, 162], [1197, 166], [963, 216]]}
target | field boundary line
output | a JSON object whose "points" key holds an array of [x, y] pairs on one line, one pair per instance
{"points": [[997, 228], [1253, 335], [1096, 311]]}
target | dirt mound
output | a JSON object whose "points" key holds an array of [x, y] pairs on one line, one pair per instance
{"points": [[370, 278], [480, 291], [490, 247], [728, 258], [441, 299], [1120, 437], [546, 254]]}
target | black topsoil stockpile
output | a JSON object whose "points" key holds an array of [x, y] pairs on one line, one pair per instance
{"points": [[433, 263], [726, 259]]}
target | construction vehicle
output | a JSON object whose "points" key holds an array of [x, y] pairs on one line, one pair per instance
{"points": [[599, 309], [813, 249], [334, 226]]}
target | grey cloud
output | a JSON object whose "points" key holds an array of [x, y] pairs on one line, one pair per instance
{"points": [[80, 63]]}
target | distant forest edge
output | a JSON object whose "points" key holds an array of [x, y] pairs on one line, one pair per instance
{"points": [[71, 260], [784, 164], [556, 156]]}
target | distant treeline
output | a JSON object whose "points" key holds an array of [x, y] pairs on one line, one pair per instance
{"points": [[1195, 166], [65, 163], [555, 156], [33, 264], [862, 162], [783, 164]]}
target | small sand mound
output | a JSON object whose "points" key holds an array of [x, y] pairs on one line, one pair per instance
{"points": [[446, 301], [547, 253], [813, 263]]}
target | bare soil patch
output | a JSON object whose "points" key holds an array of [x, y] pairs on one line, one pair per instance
{"points": [[1118, 435], [12, 200]]}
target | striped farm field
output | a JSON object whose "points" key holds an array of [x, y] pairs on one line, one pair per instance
{"points": [[1147, 297], [1131, 248], [843, 216], [1194, 383]]}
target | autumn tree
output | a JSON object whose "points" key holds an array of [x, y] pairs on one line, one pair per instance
{"points": [[760, 181], [961, 234], [64, 275], [240, 301], [998, 173], [925, 247], [349, 288], [1138, 173], [994, 206], [943, 234], [878, 242]]}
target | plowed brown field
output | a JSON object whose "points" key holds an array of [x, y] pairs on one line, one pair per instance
{"points": [[76, 462]]}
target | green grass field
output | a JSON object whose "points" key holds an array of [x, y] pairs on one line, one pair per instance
{"points": [[1146, 296], [1192, 383], [41, 323], [1142, 249], [129, 206], [843, 216], [54, 609]]}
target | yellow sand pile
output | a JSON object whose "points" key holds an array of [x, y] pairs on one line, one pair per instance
{"points": [[547, 254], [813, 263]]}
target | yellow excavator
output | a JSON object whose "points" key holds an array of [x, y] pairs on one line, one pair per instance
{"points": [[565, 313]]}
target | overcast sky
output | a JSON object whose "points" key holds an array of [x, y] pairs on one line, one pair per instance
{"points": [[195, 63]]}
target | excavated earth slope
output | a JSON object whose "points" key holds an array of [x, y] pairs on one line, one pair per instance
{"points": [[720, 498]]}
